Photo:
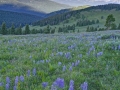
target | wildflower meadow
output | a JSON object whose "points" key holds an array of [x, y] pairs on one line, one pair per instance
{"points": [[74, 61]]}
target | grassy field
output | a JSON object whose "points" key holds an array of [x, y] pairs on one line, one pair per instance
{"points": [[60, 61]]}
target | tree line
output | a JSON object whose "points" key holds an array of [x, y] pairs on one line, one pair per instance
{"points": [[19, 31]]}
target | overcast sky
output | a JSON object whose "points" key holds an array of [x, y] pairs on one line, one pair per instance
{"points": [[86, 2]]}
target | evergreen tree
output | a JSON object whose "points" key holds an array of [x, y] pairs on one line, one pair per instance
{"points": [[52, 31], [78, 31], [20, 30], [97, 21], [33, 31], [88, 29], [102, 17], [109, 21], [40, 31], [27, 30], [3, 29], [47, 30], [12, 29]]}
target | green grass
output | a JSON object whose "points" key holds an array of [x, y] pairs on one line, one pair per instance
{"points": [[18, 54]]}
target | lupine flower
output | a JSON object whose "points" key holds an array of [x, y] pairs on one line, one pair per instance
{"points": [[92, 48], [42, 61], [47, 61], [59, 63], [71, 82], [22, 78], [71, 86], [68, 55], [70, 68], [7, 86], [34, 71], [73, 64], [118, 47], [84, 86], [99, 54], [60, 82], [53, 87], [7, 80], [16, 80], [44, 84], [1, 84], [64, 68], [77, 63], [60, 53], [15, 88], [28, 73], [80, 55]]}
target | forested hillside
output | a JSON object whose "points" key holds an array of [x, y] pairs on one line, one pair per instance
{"points": [[17, 18], [57, 19]]}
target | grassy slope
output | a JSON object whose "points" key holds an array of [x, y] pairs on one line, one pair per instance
{"points": [[90, 15]]}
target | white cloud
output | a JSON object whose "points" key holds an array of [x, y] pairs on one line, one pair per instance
{"points": [[84, 2]]}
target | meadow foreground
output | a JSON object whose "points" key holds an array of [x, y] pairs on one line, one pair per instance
{"points": [[76, 61]]}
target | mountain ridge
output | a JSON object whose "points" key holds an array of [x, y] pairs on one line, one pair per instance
{"points": [[45, 6]]}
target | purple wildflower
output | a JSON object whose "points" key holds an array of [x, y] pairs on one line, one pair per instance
{"points": [[80, 55], [60, 53], [60, 82], [70, 68], [59, 63], [73, 64], [44, 84], [7, 86], [71, 82], [118, 47], [1, 84], [64, 68], [7, 80], [28, 73], [53, 87], [68, 55], [77, 62], [22, 78], [71, 86], [15, 88], [34, 71], [84, 86], [16, 80], [99, 54]]}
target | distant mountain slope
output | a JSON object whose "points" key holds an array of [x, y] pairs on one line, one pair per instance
{"points": [[57, 19], [17, 18], [45, 6], [21, 9]]}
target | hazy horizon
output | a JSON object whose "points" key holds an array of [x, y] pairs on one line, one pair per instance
{"points": [[86, 2]]}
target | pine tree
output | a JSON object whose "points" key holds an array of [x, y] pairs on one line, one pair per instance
{"points": [[12, 30], [27, 30], [88, 29], [20, 30], [47, 30], [109, 21], [3, 29]]}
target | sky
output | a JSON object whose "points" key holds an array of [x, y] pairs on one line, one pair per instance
{"points": [[86, 2]]}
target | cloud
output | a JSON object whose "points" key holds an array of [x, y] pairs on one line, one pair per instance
{"points": [[86, 2]]}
